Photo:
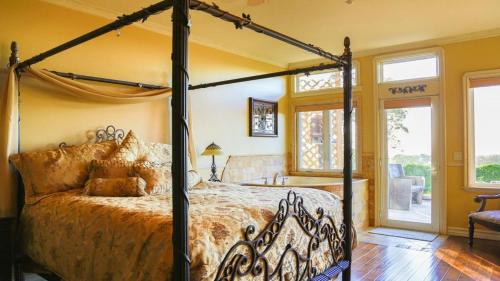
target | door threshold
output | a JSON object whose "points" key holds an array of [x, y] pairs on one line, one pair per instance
{"points": [[404, 233]]}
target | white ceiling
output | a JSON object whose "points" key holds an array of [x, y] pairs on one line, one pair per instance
{"points": [[371, 24]]}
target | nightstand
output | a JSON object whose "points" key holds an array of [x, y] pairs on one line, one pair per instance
{"points": [[6, 247]]}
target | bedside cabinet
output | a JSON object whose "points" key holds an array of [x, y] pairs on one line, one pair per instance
{"points": [[6, 247]]}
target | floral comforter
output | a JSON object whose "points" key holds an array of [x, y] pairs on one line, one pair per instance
{"points": [[84, 238]]}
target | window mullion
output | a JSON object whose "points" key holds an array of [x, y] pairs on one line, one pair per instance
{"points": [[327, 143], [298, 135]]}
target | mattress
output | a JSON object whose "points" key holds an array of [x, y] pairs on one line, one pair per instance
{"points": [[81, 238]]}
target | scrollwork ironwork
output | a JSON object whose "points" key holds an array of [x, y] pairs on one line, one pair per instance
{"points": [[247, 258], [421, 88], [109, 133]]}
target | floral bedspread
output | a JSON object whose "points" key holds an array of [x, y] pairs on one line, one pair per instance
{"points": [[84, 238]]}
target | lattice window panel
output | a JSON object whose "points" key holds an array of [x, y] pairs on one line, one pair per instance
{"points": [[321, 139], [337, 138], [311, 144], [321, 81]]}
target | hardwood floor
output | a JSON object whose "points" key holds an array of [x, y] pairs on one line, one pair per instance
{"points": [[380, 257]]}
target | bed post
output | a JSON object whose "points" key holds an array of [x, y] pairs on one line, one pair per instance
{"points": [[180, 82], [347, 204]]}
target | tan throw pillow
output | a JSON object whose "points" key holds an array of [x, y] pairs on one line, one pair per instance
{"points": [[158, 177], [131, 149], [111, 169], [116, 187], [134, 149], [46, 172]]}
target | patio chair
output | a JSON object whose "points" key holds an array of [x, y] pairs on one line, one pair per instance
{"points": [[404, 190], [489, 219]]}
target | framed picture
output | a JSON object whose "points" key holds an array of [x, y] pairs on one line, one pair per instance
{"points": [[263, 118]]}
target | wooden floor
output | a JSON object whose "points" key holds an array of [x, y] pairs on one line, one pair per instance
{"points": [[380, 257]]}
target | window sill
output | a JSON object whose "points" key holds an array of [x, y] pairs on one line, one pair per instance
{"points": [[492, 189]]}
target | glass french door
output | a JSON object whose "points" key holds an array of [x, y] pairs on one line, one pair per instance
{"points": [[410, 158]]}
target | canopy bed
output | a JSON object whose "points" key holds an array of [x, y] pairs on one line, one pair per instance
{"points": [[244, 257]]}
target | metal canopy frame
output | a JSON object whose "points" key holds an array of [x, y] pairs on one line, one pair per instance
{"points": [[306, 70], [180, 87]]}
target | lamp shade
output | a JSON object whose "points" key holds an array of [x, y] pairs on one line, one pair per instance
{"points": [[212, 149]]}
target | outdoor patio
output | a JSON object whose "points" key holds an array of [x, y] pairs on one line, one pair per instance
{"points": [[420, 213]]}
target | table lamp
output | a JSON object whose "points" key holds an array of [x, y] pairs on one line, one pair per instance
{"points": [[213, 150]]}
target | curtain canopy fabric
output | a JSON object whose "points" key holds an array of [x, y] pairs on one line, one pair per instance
{"points": [[9, 116], [8, 144], [99, 93]]}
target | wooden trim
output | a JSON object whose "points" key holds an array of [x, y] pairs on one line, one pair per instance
{"points": [[478, 233], [407, 103], [484, 82], [321, 106], [485, 77]]}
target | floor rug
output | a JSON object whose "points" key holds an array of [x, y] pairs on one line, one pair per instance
{"points": [[410, 234]]}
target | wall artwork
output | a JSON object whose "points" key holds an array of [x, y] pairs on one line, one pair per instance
{"points": [[263, 118]]}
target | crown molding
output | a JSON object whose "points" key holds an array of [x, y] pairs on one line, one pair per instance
{"points": [[431, 42], [153, 27], [410, 46]]}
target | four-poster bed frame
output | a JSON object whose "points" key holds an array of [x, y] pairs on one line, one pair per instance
{"points": [[234, 264]]}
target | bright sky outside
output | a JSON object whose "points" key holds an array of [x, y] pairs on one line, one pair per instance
{"points": [[403, 70], [418, 139], [487, 120], [487, 130]]}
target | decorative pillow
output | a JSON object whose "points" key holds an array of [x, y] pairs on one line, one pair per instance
{"points": [[111, 169], [134, 149], [193, 178], [131, 149], [46, 172], [158, 177], [157, 153], [116, 187]]}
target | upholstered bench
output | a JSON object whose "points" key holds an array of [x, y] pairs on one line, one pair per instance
{"points": [[489, 219]]}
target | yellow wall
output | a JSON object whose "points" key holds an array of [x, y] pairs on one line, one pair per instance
{"points": [[459, 58], [48, 117]]}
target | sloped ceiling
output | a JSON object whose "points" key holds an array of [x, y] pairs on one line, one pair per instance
{"points": [[371, 24]]}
